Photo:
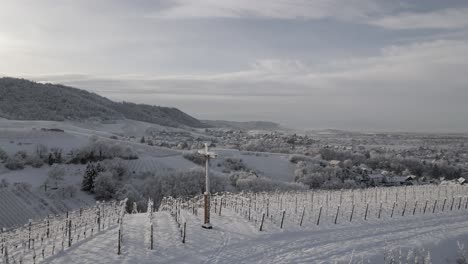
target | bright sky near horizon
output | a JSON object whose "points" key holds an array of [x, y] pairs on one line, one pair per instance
{"points": [[347, 64]]}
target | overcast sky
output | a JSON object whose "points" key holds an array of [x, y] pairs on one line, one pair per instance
{"points": [[346, 64]]}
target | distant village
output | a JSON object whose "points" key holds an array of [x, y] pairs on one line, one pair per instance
{"points": [[344, 159]]}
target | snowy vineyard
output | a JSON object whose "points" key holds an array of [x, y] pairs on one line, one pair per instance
{"points": [[325, 208], [36, 241], [328, 208], [265, 212]]}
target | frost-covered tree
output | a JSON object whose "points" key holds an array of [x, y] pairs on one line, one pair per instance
{"points": [[91, 172], [56, 175], [105, 186], [41, 151], [14, 163], [34, 161]]}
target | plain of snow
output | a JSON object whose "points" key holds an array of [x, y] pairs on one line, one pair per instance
{"points": [[235, 240], [271, 165]]}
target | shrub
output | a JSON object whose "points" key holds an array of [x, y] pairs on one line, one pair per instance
{"points": [[232, 164], [14, 164], [4, 183], [195, 158], [105, 186], [3, 155], [35, 161]]}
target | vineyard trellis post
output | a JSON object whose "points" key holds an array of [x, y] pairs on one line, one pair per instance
{"points": [[184, 232], [29, 235], [337, 212], [380, 210], [220, 206], [48, 226], [320, 214], [282, 218], [302, 216], [69, 232], [367, 209], [261, 224]]}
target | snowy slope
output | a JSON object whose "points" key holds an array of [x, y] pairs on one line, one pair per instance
{"points": [[234, 240], [19, 204]]}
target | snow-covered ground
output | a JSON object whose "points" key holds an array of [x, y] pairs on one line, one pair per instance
{"points": [[271, 165], [235, 240], [27, 135]]}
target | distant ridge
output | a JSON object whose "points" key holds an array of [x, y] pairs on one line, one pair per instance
{"points": [[22, 99], [248, 125]]}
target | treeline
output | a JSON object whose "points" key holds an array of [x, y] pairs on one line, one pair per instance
{"points": [[95, 150], [111, 179]]}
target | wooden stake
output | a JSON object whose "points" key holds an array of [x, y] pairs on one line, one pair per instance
{"points": [[320, 213], [337, 212], [261, 224], [282, 219], [302, 216]]}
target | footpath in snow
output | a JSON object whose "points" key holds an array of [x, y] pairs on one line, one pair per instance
{"points": [[235, 240]]}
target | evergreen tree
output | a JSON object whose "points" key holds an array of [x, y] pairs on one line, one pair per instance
{"points": [[87, 184], [50, 160]]}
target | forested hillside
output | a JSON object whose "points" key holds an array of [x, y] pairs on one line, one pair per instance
{"points": [[26, 100]]}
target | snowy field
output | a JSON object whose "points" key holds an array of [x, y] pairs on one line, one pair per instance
{"points": [[235, 240], [271, 165]]}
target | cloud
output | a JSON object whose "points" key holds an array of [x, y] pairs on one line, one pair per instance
{"points": [[427, 67], [450, 18], [279, 9], [418, 86]]}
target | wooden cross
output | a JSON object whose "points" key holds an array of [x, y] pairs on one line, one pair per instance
{"points": [[208, 155]]}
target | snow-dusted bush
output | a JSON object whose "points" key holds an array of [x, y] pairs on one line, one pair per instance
{"points": [[34, 161], [297, 158], [98, 150], [55, 156], [462, 257], [232, 164], [408, 256], [14, 163], [194, 157], [133, 196], [3, 155], [105, 186], [4, 183], [245, 181], [21, 154], [180, 184], [118, 168]]}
